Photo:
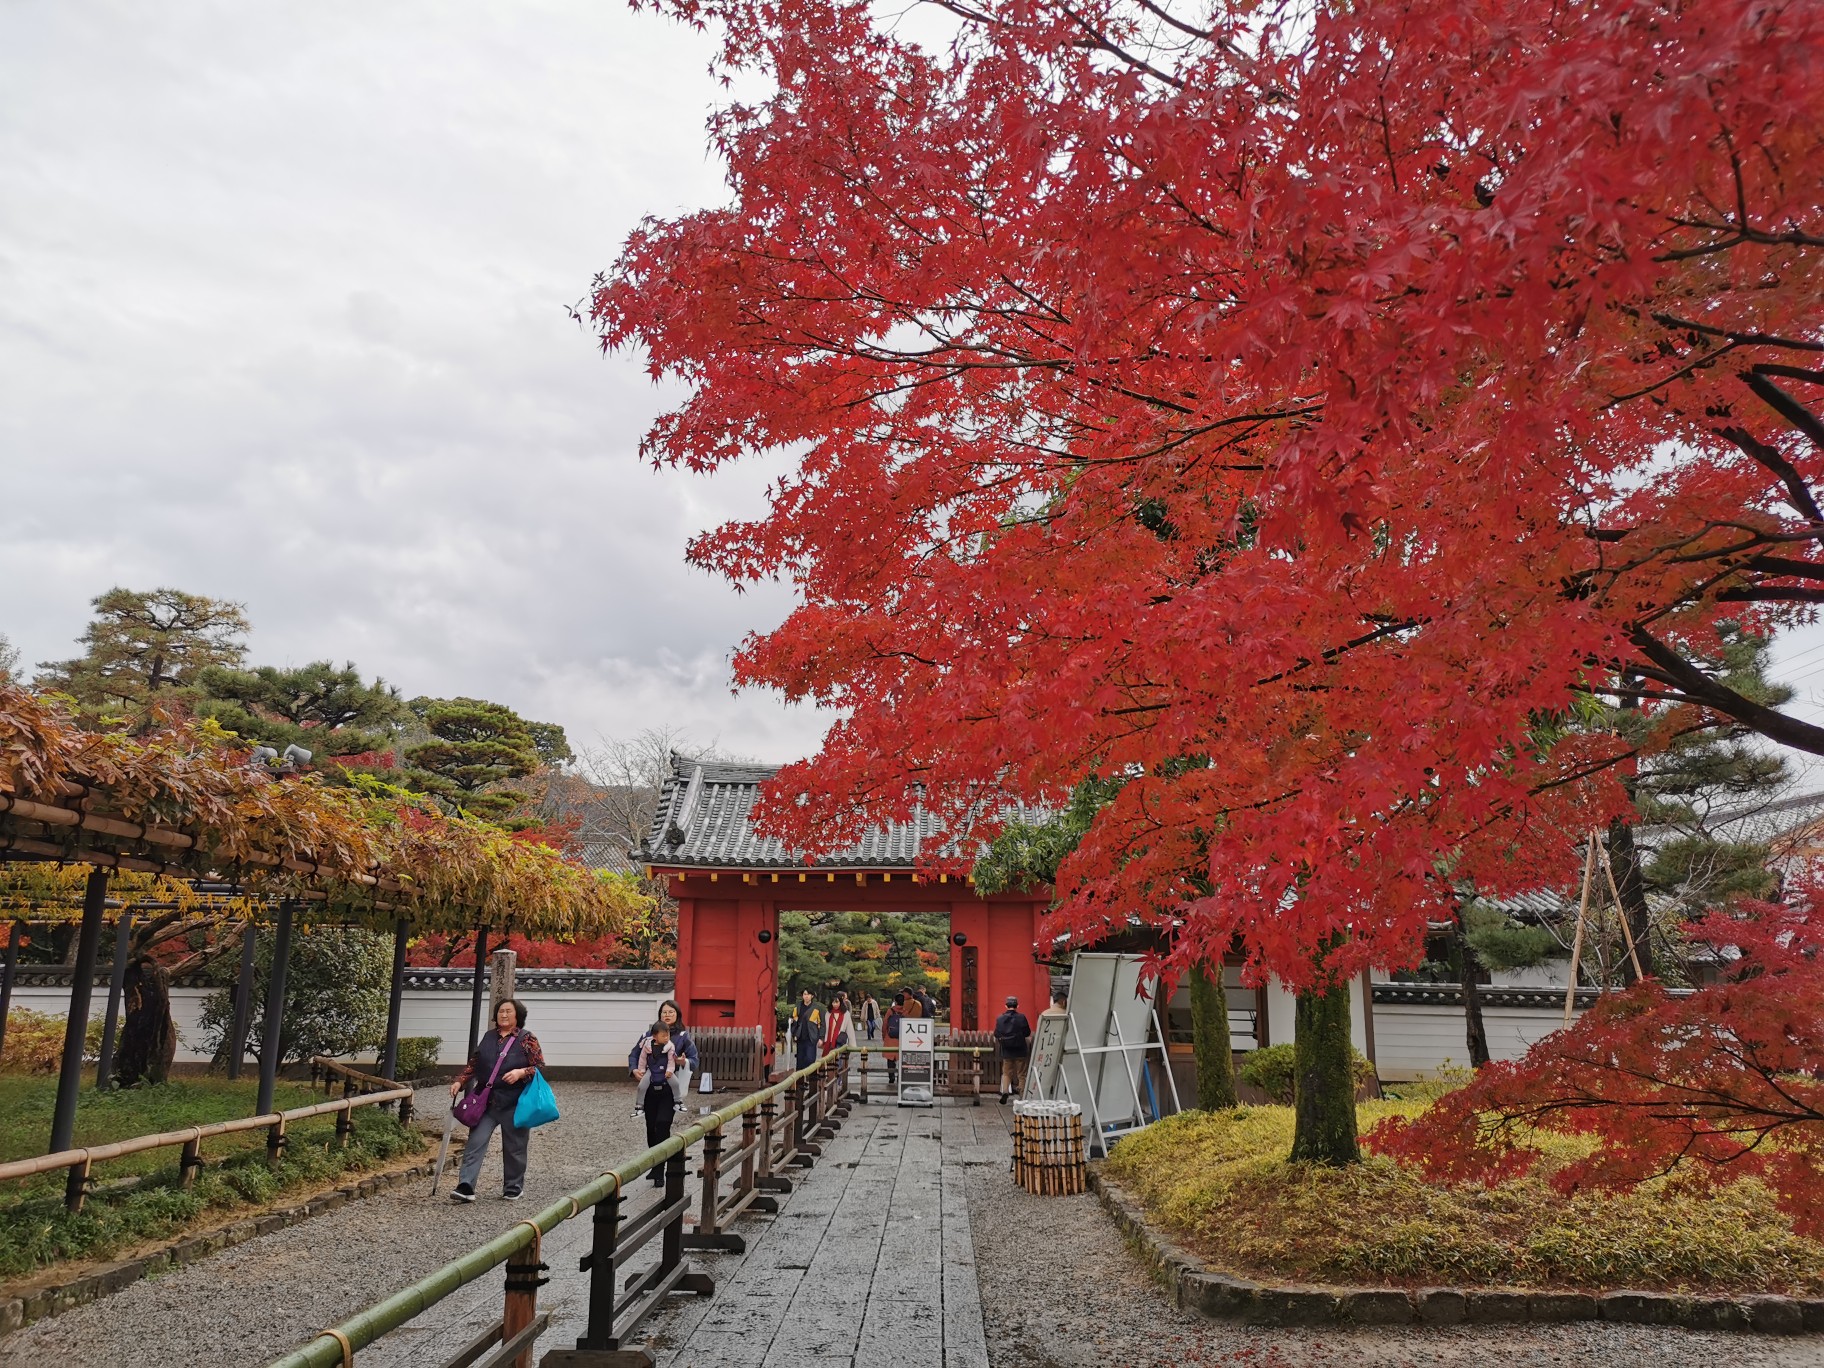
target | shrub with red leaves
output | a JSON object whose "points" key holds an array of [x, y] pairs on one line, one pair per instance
{"points": [[1718, 1085]]}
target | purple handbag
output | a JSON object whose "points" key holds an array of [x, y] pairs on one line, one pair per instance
{"points": [[473, 1105]]}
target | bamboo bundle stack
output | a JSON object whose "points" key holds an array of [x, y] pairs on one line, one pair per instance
{"points": [[1048, 1152]]}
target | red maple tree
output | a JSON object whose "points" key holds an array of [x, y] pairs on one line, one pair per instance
{"points": [[1720, 1085], [1294, 412]]}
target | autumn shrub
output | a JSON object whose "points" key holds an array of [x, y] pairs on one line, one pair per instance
{"points": [[34, 1042], [1219, 1183], [1271, 1070]]}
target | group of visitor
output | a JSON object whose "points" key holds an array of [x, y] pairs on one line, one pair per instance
{"points": [[508, 1057], [662, 1063]]}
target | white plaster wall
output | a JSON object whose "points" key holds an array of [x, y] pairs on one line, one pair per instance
{"points": [[1411, 1038]]}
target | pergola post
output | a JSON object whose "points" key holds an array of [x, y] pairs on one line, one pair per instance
{"points": [[389, 1059], [481, 964], [117, 982], [243, 1002], [76, 1025], [275, 1009], [6, 978]]}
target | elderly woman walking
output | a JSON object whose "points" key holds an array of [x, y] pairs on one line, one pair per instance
{"points": [[504, 1061]]}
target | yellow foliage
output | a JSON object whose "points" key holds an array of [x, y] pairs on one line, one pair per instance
{"points": [[1220, 1182]]}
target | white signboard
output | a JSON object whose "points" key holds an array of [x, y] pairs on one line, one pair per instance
{"points": [[1047, 1055], [917, 1063]]}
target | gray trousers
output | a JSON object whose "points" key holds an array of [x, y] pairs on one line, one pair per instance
{"points": [[512, 1151]]}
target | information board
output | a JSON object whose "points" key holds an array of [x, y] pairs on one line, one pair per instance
{"points": [[917, 1063], [1047, 1055]]}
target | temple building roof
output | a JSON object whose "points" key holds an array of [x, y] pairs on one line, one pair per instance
{"points": [[703, 820]]}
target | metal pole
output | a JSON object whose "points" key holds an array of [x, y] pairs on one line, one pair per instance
{"points": [[6, 979], [275, 1010], [76, 1027], [117, 983], [389, 1061], [481, 965], [243, 1002]]}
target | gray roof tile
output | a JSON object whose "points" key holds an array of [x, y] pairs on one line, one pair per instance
{"points": [[703, 818]]}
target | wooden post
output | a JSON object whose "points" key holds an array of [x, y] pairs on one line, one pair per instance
{"points": [[117, 982], [1583, 908], [275, 1143], [481, 961], [275, 1010], [76, 1186], [243, 1001], [501, 966], [672, 1242], [191, 1161], [712, 1182], [599, 1264], [6, 978], [1621, 911], [523, 1282], [864, 1075], [389, 1058], [76, 1026]]}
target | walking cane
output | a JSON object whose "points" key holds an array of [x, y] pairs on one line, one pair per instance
{"points": [[443, 1151]]}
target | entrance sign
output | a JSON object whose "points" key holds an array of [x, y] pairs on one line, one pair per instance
{"points": [[917, 1063]]}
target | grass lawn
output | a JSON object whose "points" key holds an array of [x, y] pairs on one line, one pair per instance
{"points": [[35, 1230], [1219, 1182]]}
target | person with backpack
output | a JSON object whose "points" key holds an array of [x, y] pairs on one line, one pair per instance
{"points": [[1013, 1041]]}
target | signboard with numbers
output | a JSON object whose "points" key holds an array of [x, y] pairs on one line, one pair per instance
{"points": [[917, 1063]]}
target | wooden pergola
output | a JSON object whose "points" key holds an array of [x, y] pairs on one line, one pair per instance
{"points": [[179, 805]]}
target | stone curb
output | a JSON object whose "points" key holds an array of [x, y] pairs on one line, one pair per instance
{"points": [[1219, 1296], [18, 1312]]}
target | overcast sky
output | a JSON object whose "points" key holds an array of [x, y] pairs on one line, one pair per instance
{"points": [[282, 320]]}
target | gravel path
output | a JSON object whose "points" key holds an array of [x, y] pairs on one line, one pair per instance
{"points": [[1061, 1289], [249, 1304]]}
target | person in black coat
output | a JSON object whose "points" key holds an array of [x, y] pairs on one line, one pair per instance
{"points": [[1013, 1040]]}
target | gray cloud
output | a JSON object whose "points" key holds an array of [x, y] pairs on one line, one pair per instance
{"points": [[282, 319]]}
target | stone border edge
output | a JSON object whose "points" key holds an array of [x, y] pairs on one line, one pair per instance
{"points": [[1221, 1297], [18, 1312]]}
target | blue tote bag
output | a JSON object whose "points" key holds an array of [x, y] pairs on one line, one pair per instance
{"points": [[536, 1104]]}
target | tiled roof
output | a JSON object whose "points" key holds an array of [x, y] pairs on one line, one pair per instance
{"points": [[703, 819]]}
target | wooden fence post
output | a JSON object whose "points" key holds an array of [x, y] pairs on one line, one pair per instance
{"points": [[523, 1282]]}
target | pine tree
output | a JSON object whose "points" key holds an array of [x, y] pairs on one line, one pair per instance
{"points": [[143, 643]]}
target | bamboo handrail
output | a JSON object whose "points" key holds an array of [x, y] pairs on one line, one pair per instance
{"points": [[64, 1159], [363, 1328]]}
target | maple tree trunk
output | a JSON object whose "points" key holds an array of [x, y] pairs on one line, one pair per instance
{"points": [[1624, 859], [1210, 1040], [1324, 1078], [1475, 1031]]}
